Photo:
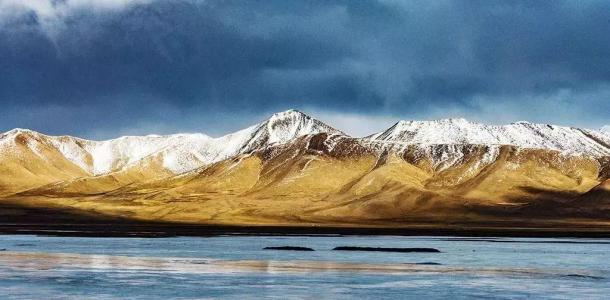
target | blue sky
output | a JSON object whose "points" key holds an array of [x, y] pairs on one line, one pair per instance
{"points": [[104, 68]]}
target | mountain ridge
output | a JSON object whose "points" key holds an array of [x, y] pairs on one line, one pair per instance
{"points": [[111, 155], [470, 134], [605, 130], [446, 141], [294, 169]]}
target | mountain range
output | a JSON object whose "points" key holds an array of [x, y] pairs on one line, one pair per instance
{"points": [[292, 169]]}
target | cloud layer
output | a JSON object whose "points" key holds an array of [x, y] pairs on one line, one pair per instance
{"points": [[102, 68]]}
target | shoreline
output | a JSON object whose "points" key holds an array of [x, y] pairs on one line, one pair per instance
{"points": [[139, 230], [19, 219]]}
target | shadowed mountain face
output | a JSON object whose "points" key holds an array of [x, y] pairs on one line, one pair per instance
{"points": [[293, 169]]}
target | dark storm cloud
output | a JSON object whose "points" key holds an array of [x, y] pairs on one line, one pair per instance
{"points": [[186, 65]]}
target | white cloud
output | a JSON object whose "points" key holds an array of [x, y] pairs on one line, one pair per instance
{"points": [[49, 9], [51, 13]]}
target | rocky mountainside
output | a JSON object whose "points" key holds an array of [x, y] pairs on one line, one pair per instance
{"points": [[294, 169]]}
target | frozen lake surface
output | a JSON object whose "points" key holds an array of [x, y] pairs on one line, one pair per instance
{"points": [[237, 267]]}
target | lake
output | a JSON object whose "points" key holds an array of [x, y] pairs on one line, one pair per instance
{"points": [[236, 267]]}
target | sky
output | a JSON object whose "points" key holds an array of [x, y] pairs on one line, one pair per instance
{"points": [[103, 68]]}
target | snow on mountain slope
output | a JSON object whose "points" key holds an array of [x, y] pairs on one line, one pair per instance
{"points": [[281, 128], [29, 159], [95, 157], [118, 153], [278, 129], [444, 141], [69, 147], [178, 152], [521, 134]]}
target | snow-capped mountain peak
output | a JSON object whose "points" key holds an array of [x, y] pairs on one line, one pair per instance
{"points": [[183, 152], [289, 124], [521, 134], [443, 131], [280, 128], [17, 131]]}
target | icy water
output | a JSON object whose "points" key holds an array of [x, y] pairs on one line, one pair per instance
{"points": [[230, 267]]}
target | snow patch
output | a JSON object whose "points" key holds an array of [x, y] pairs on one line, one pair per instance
{"points": [[567, 140]]}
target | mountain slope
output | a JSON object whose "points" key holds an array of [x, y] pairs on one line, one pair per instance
{"points": [[28, 159], [293, 169], [332, 179], [153, 155]]}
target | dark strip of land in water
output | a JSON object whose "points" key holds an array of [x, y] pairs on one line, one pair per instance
{"points": [[289, 248], [380, 249]]}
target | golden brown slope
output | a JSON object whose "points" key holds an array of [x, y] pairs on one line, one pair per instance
{"points": [[27, 160], [319, 179]]}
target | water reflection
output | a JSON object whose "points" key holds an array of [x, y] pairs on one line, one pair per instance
{"points": [[32, 261], [36, 267]]}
